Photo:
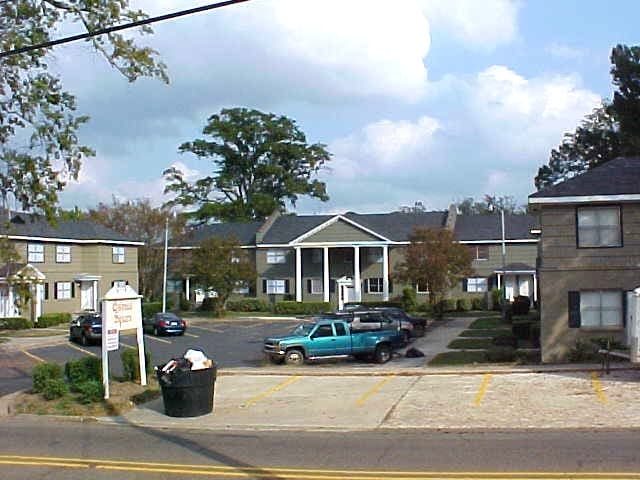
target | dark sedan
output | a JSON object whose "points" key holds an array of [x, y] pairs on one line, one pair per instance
{"points": [[165, 324], [419, 324], [86, 329]]}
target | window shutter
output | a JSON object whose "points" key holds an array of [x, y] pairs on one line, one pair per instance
{"points": [[332, 285], [286, 286], [574, 309], [126, 282], [624, 309], [465, 284], [73, 289], [55, 290], [46, 291], [308, 285], [390, 286], [264, 286], [113, 283]]}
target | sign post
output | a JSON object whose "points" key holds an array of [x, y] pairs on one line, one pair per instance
{"points": [[121, 310]]}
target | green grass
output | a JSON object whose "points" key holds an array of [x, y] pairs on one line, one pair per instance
{"points": [[487, 323], [471, 343], [472, 313], [463, 357], [31, 332], [488, 333], [3, 340]]}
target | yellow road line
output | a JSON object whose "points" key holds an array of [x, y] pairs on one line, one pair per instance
{"points": [[157, 339], [278, 387], [34, 357], [43, 464], [191, 335], [361, 401], [486, 378], [126, 345], [597, 386], [81, 349], [207, 329]]}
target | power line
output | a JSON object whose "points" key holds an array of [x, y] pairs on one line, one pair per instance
{"points": [[102, 31]]}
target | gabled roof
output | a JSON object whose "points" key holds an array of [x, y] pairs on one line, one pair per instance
{"points": [[289, 227], [9, 269], [244, 232], [617, 177], [398, 226], [30, 225], [488, 227]]}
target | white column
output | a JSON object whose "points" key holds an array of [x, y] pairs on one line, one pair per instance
{"points": [[535, 287], [356, 273], [187, 293], [325, 273], [385, 273], [498, 275], [95, 295], [298, 274]]}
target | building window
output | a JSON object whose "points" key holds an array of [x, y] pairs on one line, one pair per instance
{"points": [[35, 253], [421, 288], [63, 290], [315, 286], [374, 285], [601, 308], [374, 255], [316, 255], [63, 253], [241, 288], [476, 285], [599, 227], [276, 256], [117, 254], [119, 283], [276, 286], [479, 252]]}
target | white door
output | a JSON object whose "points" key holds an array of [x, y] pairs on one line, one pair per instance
{"points": [[510, 286], [39, 299], [86, 296], [633, 324], [525, 286], [349, 293]]}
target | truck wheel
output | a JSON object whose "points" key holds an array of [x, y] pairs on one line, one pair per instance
{"points": [[294, 357], [383, 353]]}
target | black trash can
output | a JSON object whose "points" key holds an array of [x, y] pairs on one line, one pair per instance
{"points": [[188, 393]]}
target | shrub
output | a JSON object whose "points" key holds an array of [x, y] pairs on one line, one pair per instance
{"points": [[149, 308], [409, 299], [90, 391], [209, 304], [521, 305], [521, 330], [463, 304], [15, 323], [301, 308], [185, 304], [527, 356], [43, 372], [131, 365], [501, 354], [534, 334], [376, 304], [583, 351], [54, 388], [505, 340], [449, 305], [249, 305], [497, 298], [479, 303], [51, 319], [83, 370]]}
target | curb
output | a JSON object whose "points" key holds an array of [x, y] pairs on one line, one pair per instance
{"points": [[6, 402]]}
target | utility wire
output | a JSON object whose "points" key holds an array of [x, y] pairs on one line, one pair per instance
{"points": [[102, 31]]}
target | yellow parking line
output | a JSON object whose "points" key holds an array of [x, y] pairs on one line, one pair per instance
{"points": [[597, 386], [191, 335], [215, 330], [278, 387], [31, 355], [125, 345], [82, 350], [158, 339], [361, 401], [486, 378]]}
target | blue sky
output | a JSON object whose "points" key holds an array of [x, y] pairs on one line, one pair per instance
{"points": [[418, 100]]}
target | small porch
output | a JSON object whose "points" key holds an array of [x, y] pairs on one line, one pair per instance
{"points": [[14, 276], [89, 293], [518, 279]]}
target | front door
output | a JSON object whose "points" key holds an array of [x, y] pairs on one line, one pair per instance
{"points": [[346, 291], [87, 295]]}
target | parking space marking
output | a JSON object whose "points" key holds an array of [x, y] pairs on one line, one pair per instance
{"points": [[215, 330], [361, 401], [157, 339], [191, 335], [31, 355], [126, 345], [486, 379], [265, 394], [81, 350], [597, 386]]}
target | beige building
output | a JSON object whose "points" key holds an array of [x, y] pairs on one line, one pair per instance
{"points": [[68, 267]]}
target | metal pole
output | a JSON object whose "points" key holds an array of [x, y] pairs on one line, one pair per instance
{"points": [[504, 268], [164, 281]]}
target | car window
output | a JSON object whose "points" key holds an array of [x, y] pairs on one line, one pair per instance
{"points": [[323, 331], [340, 330]]}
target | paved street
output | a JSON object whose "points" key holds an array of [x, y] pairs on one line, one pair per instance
{"points": [[88, 451]]}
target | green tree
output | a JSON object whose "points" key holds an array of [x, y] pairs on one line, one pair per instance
{"points": [[625, 71], [435, 261], [490, 204], [260, 161], [219, 264]]}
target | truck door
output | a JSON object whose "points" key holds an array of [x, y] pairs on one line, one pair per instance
{"points": [[343, 339], [324, 342]]}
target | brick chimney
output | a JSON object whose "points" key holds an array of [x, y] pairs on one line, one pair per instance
{"points": [[452, 214], [268, 223]]}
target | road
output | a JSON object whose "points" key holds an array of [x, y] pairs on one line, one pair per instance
{"points": [[43, 448]]}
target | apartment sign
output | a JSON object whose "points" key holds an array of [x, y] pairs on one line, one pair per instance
{"points": [[123, 314]]}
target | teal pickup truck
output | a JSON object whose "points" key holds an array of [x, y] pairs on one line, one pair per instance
{"points": [[331, 337]]}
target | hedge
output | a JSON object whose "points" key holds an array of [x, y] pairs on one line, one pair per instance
{"points": [[249, 305], [15, 323], [51, 319], [301, 308], [149, 308], [463, 304], [131, 364], [376, 304], [83, 370], [43, 372]]}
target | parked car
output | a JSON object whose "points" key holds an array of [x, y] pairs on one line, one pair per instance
{"points": [[331, 337], [367, 318], [165, 324], [419, 324], [86, 329]]}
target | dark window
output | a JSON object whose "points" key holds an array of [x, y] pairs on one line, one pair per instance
{"points": [[340, 330], [599, 227], [323, 331]]}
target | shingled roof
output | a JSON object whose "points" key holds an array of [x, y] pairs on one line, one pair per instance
{"points": [[245, 233], [488, 227], [620, 176]]}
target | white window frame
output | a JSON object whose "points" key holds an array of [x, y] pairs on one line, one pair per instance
{"points": [[63, 253], [476, 253], [317, 286], [426, 290], [35, 253], [241, 287], [599, 227], [276, 256], [379, 282], [276, 286], [63, 290], [477, 284], [602, 310], [119, 283], [117, 255]]}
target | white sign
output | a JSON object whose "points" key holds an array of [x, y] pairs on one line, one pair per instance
{"points": [[122, 314], [113, 339]]}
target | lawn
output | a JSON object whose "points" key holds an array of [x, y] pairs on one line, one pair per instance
{"points": [[463, 357], [487, 333], [471, 343], [488, 322], [472, 313]]}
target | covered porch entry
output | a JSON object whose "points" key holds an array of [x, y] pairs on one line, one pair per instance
{"points": [[14, 276], [518, 279], [88, 291]]}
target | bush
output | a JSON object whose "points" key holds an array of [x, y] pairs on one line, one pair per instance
{"points": [[131, 365], [534, 334], [376, 304], [15, 323], [583, 351], [409, 299], [527, 356], [51, 319], [301, 308], [449, 305], [54, 388], [501, 354], [149, 308], [90, 391], [521, 330], [185, 304], [521, 305], [209, 304], [424, 307], [463, 304], [479, 303], [249, 305], [43, 372], [497, 298], [83, 370], [505, 340]]}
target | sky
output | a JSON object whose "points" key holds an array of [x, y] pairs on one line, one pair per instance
{"points": [[417, 100]]}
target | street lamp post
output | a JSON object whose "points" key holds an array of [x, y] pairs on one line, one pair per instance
{"points": [[164, 278]]}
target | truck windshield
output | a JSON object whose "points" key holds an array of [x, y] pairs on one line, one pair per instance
{"points": [[303, 329]]}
